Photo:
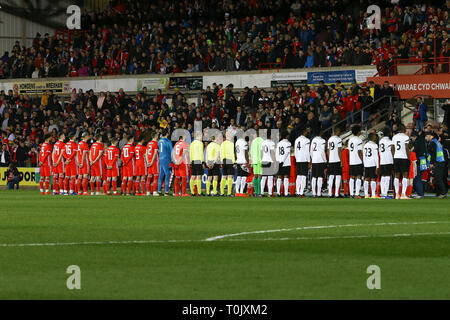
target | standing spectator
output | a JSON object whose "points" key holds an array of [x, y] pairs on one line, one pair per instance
{"points": [[5, 156], [437, 164], [420, 114], [21, 154]]}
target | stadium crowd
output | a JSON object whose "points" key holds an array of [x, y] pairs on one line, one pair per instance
{"points": [[162, 37]]}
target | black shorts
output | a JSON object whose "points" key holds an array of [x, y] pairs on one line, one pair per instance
{"points": [[269, 169], [356, 170], [301, 168], [215, 171], [318, 170], [386, 170], [241, 172], [227, 170], [401, 165], [335, 169], [370, 172], [284, 171], [197, 169]]}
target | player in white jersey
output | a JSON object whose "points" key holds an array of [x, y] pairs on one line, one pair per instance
{"points": [[241, 148], [401, 161], [334, 151], [302, 159], [319, 163], [370, 153], [269, 167], [283, 157], [386, 150], [356, 165]]}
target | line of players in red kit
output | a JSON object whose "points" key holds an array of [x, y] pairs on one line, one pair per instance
{"points": [[76, 166]]}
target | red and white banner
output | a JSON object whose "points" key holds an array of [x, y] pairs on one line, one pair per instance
{"points": [[408, 86]]}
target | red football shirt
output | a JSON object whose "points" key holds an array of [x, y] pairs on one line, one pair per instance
{"points": [[95, 150], [58, 149], [111, 156], [139, 155], [82, 148], [127, 154], [152, 149], [44, 153], [70, 150]]}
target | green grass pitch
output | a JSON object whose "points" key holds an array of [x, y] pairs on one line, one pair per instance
{"points": [[305, 248]]}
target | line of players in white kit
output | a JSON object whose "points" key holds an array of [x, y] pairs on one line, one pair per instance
{"points": [[362, 164]]}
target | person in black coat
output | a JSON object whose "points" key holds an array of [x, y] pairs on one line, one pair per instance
{"points": [[5, 156]]}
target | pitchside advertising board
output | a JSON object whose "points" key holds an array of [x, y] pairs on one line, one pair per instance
{"points": [[409, 86], [58, 87], [28, 177]]}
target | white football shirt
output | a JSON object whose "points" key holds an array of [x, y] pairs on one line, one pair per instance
{"points": [[400, 140], [370, 154], [283, 154], [354, 145], [318, 146], [301, 151], [385, 151], [334, 143], [240, 147], [267, 146]]}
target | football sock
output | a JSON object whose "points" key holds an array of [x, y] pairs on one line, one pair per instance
{"points": [[92, 183], [397, 187], [155, 182], [62, 184], [286, 186], [99, 185], [199, 186], [366, 188], [123, 186], [192, 186], [238, 185], [114, 185], [149, 183], [409, 190], [183, 185], [404, 186], [71, 184], [330, 185], [270, 185], [229, 185], [129, 186], [250, 190], [263, 184], [313, 186], [352, 187], [346, 187], [223, 183], [357, 187], [302, 185], [85, 185], [55, 184], [337, 186], [47, 185], [208, 185], [176, 185], [279, 186], [319, 186], [215, 186], [243, 183], [373, 186], [41, 184], [298, 183]]}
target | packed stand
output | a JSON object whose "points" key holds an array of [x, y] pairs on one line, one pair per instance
{"points": [[163, 37]]}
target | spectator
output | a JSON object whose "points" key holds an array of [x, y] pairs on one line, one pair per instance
{"points": [[13, 178], [21, 154], [420, 114], [5, 156]]}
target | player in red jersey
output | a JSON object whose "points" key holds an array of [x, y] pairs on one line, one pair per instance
{"points": [[140, 166], [152, 156], [70, 163], [45, 163], [58, 165], [112, 167], [412, 171], [104, 177], [181, 163], [83, 164], [95, 160], [127, 158], [345, 168]]}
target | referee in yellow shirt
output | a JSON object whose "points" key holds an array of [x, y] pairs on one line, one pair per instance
{"points": [[212, 161], [197, 160], [228, 164]]}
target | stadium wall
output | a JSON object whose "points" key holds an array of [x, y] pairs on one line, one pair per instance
{"points": [[13, 28], [192, 81]]}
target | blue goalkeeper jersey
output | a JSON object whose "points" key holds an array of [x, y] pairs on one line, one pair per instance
{"points": [[165, 151]]}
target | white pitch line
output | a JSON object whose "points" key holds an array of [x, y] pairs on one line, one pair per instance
{"points": [[60, 244], [321, 227], [224, 237]]}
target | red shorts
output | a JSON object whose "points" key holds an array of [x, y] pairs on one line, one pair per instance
{"points": [[71, 169], [128, 170], [140, 170], [83, 170], [45, 171], [112, 173], [59, 169], [181, 170], [97, 169], [153, 169]]}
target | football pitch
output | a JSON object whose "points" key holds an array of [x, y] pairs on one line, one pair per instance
{"points": [[222, 248]]}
